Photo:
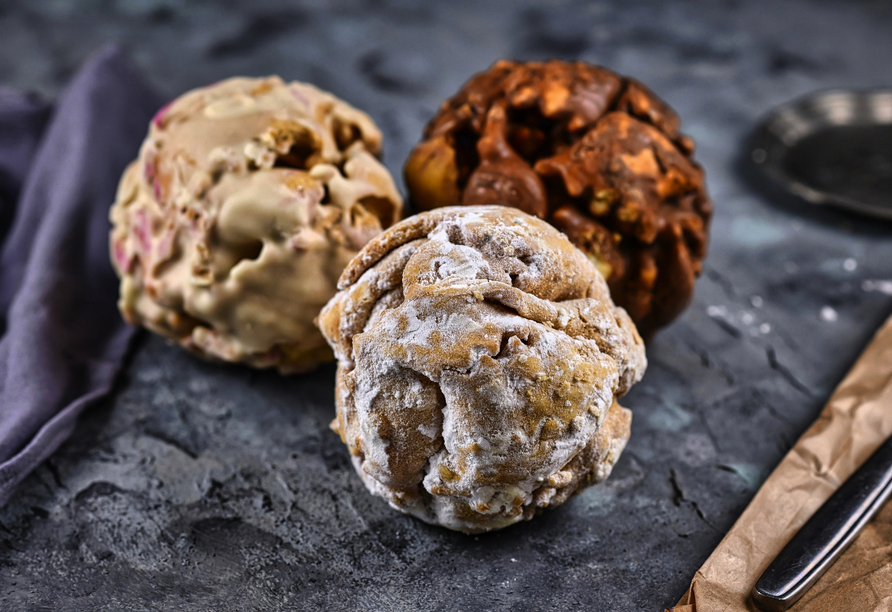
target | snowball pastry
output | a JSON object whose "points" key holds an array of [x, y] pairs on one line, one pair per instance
{"points": [[479, 360], [246, 202], [594, 153]]}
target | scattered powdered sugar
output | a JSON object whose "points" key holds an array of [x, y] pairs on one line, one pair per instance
{"points": [[717, 311], [882, 286], [748, 320]]}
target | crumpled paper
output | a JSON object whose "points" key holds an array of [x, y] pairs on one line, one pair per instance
{"points": [[851, 426]]}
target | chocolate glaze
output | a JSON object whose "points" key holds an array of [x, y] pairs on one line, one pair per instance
{"points": [[596, 154]]}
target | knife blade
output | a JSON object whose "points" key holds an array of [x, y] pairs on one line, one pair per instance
{"points": [[826, 534]]}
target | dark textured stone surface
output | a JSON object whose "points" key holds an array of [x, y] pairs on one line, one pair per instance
{"points": [[200, 486]]}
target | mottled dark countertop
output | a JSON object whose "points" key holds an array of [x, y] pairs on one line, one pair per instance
{"points": [[200, 486]]}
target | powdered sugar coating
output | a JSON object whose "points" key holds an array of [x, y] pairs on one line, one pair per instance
{"points": [[246, 202], [480, 357]]}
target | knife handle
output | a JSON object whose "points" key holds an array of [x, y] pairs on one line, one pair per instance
{"points": [[826, 534]]}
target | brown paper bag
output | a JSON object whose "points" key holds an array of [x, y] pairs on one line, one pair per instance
{"points": [[851, 426]]}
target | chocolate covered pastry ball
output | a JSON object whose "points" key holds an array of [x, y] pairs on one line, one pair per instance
{"points": [[479, 362], [246, 202], [595, 154]]}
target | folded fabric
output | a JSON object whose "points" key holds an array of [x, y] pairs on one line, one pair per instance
{"points": [[63, 340]]}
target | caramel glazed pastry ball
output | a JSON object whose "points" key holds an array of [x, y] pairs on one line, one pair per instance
{"points": [[246, 202], [597, 155], [479, 362]]}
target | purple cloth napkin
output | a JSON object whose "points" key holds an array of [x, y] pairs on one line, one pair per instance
{"points": [[63, 340]]}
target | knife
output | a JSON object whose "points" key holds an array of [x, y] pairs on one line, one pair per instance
{"points": [[826, 534]]}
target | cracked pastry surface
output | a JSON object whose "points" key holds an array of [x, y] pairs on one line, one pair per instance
{"points": [[232, 227], [479, 362], [596, 154]]}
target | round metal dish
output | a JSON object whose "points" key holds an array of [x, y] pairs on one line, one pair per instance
{"points": [[833, 147]]}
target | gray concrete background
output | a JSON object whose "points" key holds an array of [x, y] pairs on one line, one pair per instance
{"points": [[208, 487]]}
